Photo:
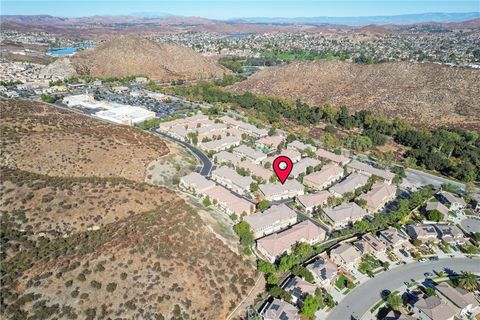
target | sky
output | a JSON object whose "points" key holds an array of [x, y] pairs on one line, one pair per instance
{"points": [[229, 9]]}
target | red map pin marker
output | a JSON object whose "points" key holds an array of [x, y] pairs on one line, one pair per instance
{"points": [[282, 166]]}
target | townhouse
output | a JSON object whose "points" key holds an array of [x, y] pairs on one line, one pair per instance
{"points": [[345, 255], [344, 214], [278, 191], [251, 154], [349, 184], [324, 271], [256, 170], [277, 244], [302, 165], [369, 170], [337, 158], [269, 143], [220, 144], [273, 219], [247, 128], [325, 177], [294, 155], [231, 179], [225, 157], [380, 194], [229, 202], [310, 202], [196, 183], [300, 146]]}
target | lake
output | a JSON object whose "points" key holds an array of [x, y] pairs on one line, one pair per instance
{"points": [[68, 51]]}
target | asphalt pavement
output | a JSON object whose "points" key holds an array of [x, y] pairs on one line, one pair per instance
{"points": [[363, 297]]}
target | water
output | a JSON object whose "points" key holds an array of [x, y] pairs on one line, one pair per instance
{"points": [[69, 51]]}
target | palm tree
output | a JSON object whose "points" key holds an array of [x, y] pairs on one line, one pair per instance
{"points": [[394, 301], [468, 281]]}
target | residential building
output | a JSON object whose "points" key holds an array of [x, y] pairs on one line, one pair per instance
{"points": [[345, 255], [380, 194], [225, 157], [293, 154], [337, 158], [422, 232], [459, 298], [196, 183], [302, 165], [273, 219], [325, 177], [344, 214], [229, 178], [256, 170], [324, 271], [394, 238], [433, 308], [349, 184], [455, 202], [280, 310], [269, 143], [277, 244], [370, 244], [245, 127], [450, 233], [369, 170], [229, 202], [251, 154], [299, 289], [435, 205], [312, 201], [221, 144], [300, 146], [277, 191]]}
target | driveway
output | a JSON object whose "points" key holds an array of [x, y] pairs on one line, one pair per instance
{"points": [[363, 297]]}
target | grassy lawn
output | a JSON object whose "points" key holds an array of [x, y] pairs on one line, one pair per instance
{"points": [[343, 282]]}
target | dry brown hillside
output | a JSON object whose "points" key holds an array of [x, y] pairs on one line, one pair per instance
{"points": [[84, 238], [424, 94], [130, 55]]}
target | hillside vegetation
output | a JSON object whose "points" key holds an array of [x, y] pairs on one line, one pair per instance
{"points": [[426, 95], [81, 243], [130, 55]]}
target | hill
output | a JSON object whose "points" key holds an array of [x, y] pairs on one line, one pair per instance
{"points": [[83, 237], [419, 93], [130, 55]]}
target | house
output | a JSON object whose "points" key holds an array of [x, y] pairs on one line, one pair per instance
{"points": [[278, 191], [221, 144], [299, 289], [271, 220], [302, 165], [309, 202], [349, 184], [458, 297], [229, 202], [370, 244], [344, 214], [196, 183], [251, 154], [396, 315], [455, 202], [325, 177], [232, 180], [270, 142], [275, 245], [280, 310], [300, 146], [256, 170], [450, 233], [345, 255], [433, 308], [394, 238], [369, 170], [324, 271], [380, 194], [422, 232], [337, 158], [225, 157], [435, 205]]}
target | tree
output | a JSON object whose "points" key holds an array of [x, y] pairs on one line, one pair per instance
{"points": [[262, 205], [468, 281], [265, 267], [310, 305], [302, 250], [207, 202], [386, 265], [253, 187], [394, 301], [48, 98], [242, 229], [434, 215]]}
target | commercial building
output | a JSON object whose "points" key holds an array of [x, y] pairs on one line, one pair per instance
{"points": [[278, 191], [271, 220], [127, 115], [380, 194], [325, 177], [232, 180], [280, 243], [344, 214], [310, 202], [349, 184]]}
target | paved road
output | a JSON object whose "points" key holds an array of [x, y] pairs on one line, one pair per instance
{"points": [[419, 178], [360, 299], [207, 164]]}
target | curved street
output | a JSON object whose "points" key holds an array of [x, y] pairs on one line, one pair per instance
{"points": [[362, 298]]}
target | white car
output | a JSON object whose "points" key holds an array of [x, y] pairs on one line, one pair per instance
{"points": [[422, 260], [353, 272]]}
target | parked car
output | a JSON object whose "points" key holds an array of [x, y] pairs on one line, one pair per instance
{"points": [[404, 252], [428, 274], [422, 260]]}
